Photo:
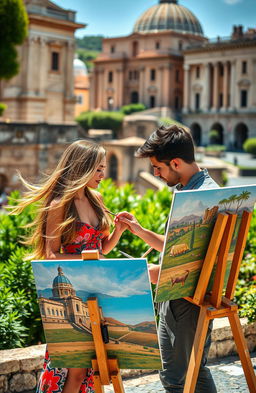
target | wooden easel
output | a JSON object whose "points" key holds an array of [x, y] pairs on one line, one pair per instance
{"points": [[106, 370], [215, 305]]}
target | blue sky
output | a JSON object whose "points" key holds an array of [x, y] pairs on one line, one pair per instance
{"points": [[126, 280], [187, 203], [117, 17]]}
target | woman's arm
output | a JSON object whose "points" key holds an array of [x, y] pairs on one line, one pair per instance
{"points": [[53, 233], [111, 240]]}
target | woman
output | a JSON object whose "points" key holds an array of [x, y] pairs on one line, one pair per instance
{"points": [[71, 218]]}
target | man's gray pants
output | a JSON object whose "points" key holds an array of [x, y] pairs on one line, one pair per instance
{"points": [[177, 327]]}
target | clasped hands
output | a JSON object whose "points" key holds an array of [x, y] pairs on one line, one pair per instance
{"points": [[132, 224]]}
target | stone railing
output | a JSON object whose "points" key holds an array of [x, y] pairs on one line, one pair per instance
{"points": [[20, 368]]}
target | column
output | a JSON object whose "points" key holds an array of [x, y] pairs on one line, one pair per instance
{"points": [[30, 65], [167, 85], [142, 85], [69, 77], [119, 88], [232, 86], [160, 86], [44, 66], [252, 77], [225, 87], [186, 98], [206, 88], [215, 86]]}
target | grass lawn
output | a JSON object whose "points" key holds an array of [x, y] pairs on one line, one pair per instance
{"points": [[66, 335]]}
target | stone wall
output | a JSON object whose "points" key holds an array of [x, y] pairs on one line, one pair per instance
{"points": [[20, 368]]}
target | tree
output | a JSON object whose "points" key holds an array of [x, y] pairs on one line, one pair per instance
{"points": [[192, 239], [13, 31]]}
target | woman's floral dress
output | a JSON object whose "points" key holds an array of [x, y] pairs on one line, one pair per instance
{"points": [[52, 379]]}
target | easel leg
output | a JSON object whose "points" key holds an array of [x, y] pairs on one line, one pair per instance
{"points": [[197, 351], [243, 352], [117, 382], [98, 387]]}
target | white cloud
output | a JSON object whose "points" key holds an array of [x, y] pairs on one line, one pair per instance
{"points": [[190, 207], [231, 2]]}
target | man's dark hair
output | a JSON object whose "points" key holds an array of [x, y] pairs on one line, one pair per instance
{"points": [[168, 143]]}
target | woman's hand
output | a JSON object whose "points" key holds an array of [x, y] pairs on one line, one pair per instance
{"points": [[130, 220]]}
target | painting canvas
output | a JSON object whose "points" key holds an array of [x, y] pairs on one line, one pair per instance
{"points": [[125, 300], [190, 225]]}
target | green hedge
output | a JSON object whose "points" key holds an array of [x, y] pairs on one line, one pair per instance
{"points": [[2, 108], [101, 120], [250, 146], [128, 109]]}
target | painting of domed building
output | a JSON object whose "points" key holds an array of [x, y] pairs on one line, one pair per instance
{"points": [[64, 307], [124, 297]]}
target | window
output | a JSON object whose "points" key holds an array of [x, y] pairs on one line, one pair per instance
{"points": [[55, 61], [61, 313], [177, 76], [110, 77], [221, 100], [77, 308], [197, 72], [79, 99], [157, 45], [135, 48], [197, 101], [243, 98], [152, 101], [53, 312], [180, 45], [48, 311], [112, 49], [244, 67], [130, 75], [153, 75], [57, 313]]}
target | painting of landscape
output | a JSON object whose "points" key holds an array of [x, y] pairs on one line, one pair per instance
{"points": [[191, 221], [126, 307]]}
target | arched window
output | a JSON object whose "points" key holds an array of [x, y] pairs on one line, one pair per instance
{"points": [[134, 97]]}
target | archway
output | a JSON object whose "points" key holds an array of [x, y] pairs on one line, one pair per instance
{"points": [[241, 134], [113, 167], [134, 97], [220, 137], [196, 133]]}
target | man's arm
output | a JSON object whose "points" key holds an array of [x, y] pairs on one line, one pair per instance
{"points": [[153, 239]]}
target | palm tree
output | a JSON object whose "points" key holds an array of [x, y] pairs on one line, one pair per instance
{"points": [[232, 199], [244, 196], [224, 202]]}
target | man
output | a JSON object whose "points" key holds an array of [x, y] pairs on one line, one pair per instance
{"points": [[171, 152]]}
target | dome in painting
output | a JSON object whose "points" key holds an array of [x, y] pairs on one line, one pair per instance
{"points": [[60, 278], [168, 15]]}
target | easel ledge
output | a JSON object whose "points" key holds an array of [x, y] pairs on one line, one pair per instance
{"points": [[215, 305], [106, 371]]}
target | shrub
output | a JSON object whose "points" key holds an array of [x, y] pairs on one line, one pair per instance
{"points": [[250, 146], [215, 148], [128, 109], [101, 120], [2, 108], [214, 137]]}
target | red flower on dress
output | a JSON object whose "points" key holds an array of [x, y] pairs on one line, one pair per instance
{"points": [[49, 382]]}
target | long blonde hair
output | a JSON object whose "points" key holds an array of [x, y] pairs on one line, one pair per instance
{"points": [[77, 165]]}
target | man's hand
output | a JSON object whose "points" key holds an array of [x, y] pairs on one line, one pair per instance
{"points": [[130, 220], [153, 272]]}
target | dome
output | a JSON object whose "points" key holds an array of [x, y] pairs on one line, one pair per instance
{"points": [[168, 15], [60, 278], [79, 67]]}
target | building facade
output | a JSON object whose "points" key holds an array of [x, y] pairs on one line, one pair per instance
{"points": [[220, 89], [43, 89], [81, 86], [147, 65]]}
